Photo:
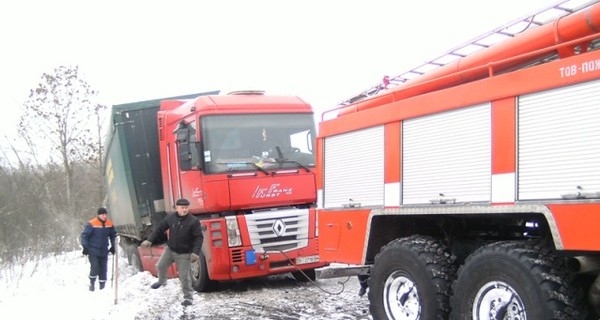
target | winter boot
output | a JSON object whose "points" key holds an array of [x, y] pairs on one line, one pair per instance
{"points": [[363, 281], [102, 283], [186, 303], [92, 283], [156, 285], [362, 291]]}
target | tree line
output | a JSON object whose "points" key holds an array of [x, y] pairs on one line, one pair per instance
{"points": [[51, 174]]}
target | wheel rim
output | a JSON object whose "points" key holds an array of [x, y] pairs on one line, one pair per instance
{"points": [[498, 300], [401, 297]]}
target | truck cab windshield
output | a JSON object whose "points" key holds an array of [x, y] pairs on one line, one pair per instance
{"points": [[258, 142]]}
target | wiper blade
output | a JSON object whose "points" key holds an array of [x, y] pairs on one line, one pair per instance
{"points": [[297, 163], [282, 161], [247, 163], [258, 167]]}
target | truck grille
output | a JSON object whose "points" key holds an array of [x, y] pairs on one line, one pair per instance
{"points": [[237, 256], [280, 230]]}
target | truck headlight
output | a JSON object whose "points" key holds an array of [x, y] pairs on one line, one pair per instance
{"points": [[233, 232]]}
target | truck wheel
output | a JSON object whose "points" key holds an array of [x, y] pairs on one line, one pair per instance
{"points": [[411, 280], [305, 275], [515, 280], [132, 254], [200, 280], [134, 259]]}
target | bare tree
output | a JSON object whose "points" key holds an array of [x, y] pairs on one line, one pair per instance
{"points": [[62, 120], [51, 176]]}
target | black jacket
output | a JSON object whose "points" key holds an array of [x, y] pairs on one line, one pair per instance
{"points": [[185, 234]]}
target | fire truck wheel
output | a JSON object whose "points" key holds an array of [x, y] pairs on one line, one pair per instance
{"points": [[515, 280], [305, 275], [200, 279], [411, 279]]}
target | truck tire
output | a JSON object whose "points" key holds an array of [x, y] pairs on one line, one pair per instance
{"points": [[411, 279], [201, 282], [515, 280], [134, 259], [133, 256]]}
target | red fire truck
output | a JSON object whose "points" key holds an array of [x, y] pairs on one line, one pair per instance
{"points": [[471, 190], [244, 160]]}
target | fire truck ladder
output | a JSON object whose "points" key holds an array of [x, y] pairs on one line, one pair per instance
{"points": [[508, 30]]}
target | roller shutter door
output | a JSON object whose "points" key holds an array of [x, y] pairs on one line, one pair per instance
{"points": [[448, 153], [354, 168], [559, 142]]}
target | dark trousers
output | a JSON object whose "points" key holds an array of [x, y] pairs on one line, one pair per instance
{"points": [[98, 268], [363, 279], [182, 261]]}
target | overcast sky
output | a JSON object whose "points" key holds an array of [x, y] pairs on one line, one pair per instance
{"points": [[322, 51]]}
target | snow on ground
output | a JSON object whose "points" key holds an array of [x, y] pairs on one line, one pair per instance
{"points": [[57, 288]]}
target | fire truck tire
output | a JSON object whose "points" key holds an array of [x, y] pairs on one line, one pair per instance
{"points": [[411, 279], [201, 282], [305, 275], [515, 280]]}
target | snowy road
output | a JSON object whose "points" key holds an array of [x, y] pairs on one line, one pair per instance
{"points": [[274, 298], [57, 288]]}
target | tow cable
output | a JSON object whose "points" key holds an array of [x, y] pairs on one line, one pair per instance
{"points": [[342, 283]]}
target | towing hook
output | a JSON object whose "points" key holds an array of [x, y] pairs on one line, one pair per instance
{"points": [[264, 256]]}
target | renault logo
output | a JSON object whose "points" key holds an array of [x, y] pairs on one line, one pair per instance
{"points": [[279, 228]]}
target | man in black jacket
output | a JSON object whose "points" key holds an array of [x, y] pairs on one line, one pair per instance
{"points": [[183, 247]]}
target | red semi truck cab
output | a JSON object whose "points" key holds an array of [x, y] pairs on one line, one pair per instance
{"points": [[246, 163], [237, 152]]}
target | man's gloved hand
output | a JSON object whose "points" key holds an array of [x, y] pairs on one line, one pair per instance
{"points": [[85, 251], [146, 244], [194, 258], [112, 250]]}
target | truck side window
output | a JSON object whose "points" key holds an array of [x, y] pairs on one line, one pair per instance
{"points": [[194, 147], [187, 146]]}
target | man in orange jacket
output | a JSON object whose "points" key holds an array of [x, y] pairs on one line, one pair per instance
{"points": [[95, 239]]}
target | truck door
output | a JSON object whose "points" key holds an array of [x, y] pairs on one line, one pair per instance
{"points": [[188, 175]]}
